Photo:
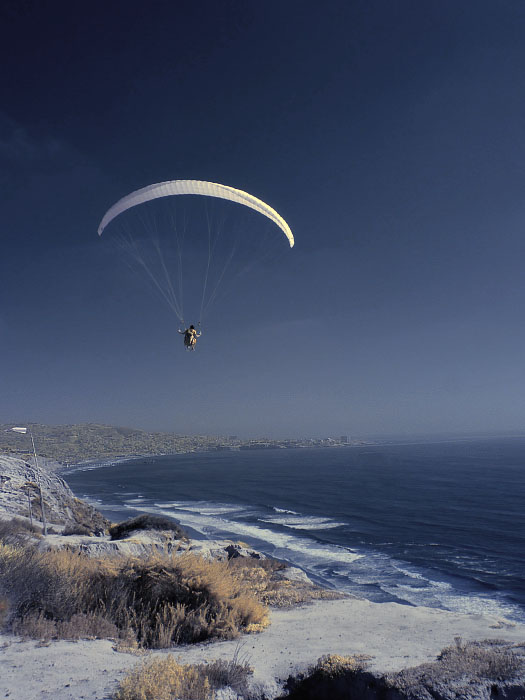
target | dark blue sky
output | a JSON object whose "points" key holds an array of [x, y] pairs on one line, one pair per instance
{"points": [[390, 135]]}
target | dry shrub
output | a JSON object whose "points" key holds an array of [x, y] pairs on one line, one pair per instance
{"points": [[36, 626], [233, 672], [4, 609], [82, 626], [164, 679], [88, 517], [252, 616], [480, 660], [184, 599], [145, 522], [127, 642], [334, 677], [163, 599], [472, 669], [76, 529], [258, 578], [57, 583], [17, 531], [333, 665]]}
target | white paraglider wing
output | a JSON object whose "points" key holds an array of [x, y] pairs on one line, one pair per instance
{"points": [[207, 189]]}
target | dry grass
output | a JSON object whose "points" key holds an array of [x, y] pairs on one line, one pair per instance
{"points": [[75, 529], [468, 667], [260, 577], [333, 665], [88, 517], [333, 677], [233, 673], [463, 670], [160, 601], [17, 531], [494, 661], [166, 679], [80, 626], [4, 610]]}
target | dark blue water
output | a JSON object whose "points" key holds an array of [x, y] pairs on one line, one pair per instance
{"points": [[438, 524]]}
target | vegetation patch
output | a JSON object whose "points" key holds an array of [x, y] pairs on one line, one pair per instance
{"points": [[17, 531], [262, 578], [87, 517], [74, 529], [146, 522], [490, 659], [333, 677], [158, 601], [166, 679], [492, 668]]}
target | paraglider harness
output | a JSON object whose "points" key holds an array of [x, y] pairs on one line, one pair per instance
{"points": [[190, 337]]}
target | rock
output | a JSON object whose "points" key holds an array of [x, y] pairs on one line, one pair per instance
{"points": [[61, 506], [139, 544], [238, 550], [222, 550], [292, 573], [143, 543]]}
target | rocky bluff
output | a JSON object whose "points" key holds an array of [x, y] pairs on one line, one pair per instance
{"points": [[20, 484]]}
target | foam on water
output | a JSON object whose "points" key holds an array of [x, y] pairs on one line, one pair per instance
{"points": [[289, 547], [305, 522], [283, 510]]}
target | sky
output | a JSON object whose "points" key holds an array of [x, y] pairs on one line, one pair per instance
{"points": [[388, 133]]}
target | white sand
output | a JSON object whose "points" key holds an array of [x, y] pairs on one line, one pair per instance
{"points": [[396, 636]]}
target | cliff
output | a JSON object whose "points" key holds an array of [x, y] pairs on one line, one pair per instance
{"points": [[20, 484]]}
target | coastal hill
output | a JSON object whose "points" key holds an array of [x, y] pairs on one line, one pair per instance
{"points": [[76, 443], [90, 441]]}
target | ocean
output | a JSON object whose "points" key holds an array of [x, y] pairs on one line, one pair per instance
{"points": [[437, 524]]}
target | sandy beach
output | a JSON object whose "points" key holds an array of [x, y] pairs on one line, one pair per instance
{"points": [[395, 636]]}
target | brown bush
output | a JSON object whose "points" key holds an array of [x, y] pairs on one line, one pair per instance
{"points": [[17, 531], [91, 626], [86, 516], [258, 578], [185, 598], [164, 679], [35, 626], [162, 600], [233, 672], [333, 677], [333, 665], [4, 609], [75, 529]]}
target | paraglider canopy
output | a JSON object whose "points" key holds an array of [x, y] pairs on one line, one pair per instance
{"points": [[199, 187], [154, 237]]}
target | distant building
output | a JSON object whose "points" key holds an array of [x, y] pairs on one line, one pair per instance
{"points": [[344, 438], [231, 438]]}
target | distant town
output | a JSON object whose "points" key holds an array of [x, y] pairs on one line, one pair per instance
{"points": [[72, 444]]}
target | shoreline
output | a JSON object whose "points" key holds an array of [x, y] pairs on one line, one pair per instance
{"points": [[103, 462]]}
